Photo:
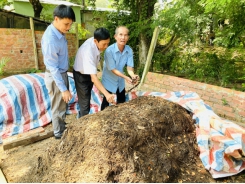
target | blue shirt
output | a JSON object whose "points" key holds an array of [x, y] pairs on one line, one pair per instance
{"points": [[55, 54], [114, 59]]}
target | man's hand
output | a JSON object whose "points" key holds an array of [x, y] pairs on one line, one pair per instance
{"points": [[135, 79], [111, 98], [66, 95], [128, 79]]}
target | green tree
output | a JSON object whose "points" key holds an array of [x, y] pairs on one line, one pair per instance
{"points": [[3, 3], [141, 14], [182, 20], [37, 7], [231, 33]]}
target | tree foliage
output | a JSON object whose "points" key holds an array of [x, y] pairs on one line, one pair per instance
{"points": [[232, 32], [182, 19], [193, 19], [3, 3], [3, 62], [141, 12], [187, 26]]}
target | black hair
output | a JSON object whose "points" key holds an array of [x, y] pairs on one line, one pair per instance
{"points": [[63, 11], [101, 34]]}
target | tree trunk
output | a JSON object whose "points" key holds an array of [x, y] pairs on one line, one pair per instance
{"points": [[145, 13], [37, 8], [143, 49]]}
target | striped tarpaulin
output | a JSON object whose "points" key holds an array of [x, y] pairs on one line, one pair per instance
{"points": [[25, 105], [221, 142]]}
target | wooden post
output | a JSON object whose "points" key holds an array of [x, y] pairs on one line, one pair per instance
{"points": [[27, 138], [2, 177], [34, 43], [150, 54], [76, 29]]}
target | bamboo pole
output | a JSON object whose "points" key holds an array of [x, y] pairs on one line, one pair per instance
{"points": [[34, 43], [149, 55]]}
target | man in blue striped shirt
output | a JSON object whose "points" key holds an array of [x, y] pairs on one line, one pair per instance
{"points": [[55, 55]]}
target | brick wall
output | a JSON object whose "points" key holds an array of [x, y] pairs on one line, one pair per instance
{"points": [[225, 102], [17, 45]]}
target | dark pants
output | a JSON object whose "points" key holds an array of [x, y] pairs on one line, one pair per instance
{"points": [[120, 98], [83, 86]]}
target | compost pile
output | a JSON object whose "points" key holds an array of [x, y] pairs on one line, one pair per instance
{"points": [[147, 139]]}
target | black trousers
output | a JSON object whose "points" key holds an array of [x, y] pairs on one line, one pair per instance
{"points": [[83, 86], [120, 98]]}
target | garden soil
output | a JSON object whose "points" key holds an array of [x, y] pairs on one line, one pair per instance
{"points": [[145, 140]]}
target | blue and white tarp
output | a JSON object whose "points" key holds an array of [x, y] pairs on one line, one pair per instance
{"points": [[25, 105]]}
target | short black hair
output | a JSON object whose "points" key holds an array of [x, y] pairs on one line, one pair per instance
{"points": [[101, 34], [63, 11]]}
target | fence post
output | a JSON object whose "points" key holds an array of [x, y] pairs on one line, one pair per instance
{"points": [[76, 30], [34, 43]]}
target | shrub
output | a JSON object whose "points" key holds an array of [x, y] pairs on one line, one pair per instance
{"points": [[3, 62]]}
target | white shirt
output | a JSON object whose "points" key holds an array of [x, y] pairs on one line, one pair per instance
{"points": [[87, 57]]}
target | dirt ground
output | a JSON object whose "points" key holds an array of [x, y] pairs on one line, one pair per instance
{"points": [[145, 140]]}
